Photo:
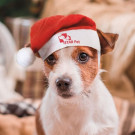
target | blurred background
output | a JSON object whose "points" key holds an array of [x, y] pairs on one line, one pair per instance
{"points": [[116, 16]]}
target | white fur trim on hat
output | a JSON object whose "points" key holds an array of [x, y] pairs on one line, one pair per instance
{"points": [[25, 57], [79, 37]]}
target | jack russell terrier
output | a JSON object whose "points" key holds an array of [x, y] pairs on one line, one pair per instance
{"points": [[76, 101]]}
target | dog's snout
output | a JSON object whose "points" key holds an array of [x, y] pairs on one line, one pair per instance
{"points": [[63, 84]]}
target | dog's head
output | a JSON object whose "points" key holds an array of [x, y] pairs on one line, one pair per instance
{"points": [[71, 70]]}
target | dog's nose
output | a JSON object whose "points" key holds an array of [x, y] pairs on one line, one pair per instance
{"points": [[63, 84]]}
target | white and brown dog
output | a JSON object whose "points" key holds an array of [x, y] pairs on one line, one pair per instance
{"points": [[76, 102]]}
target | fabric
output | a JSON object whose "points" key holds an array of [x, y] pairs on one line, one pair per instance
{"points": [[34, 85], [126, 112], [20, 29], [12, 125], [7, 76], [19, 109], [45, 28]]}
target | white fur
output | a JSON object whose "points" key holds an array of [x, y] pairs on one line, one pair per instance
{"points": [[25, 57], [91, 114]]}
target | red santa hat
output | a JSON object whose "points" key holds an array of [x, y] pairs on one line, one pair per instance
{"points": [[53, 33]]}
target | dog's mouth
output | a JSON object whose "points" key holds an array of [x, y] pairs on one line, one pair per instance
{"points": [[66, 95]]}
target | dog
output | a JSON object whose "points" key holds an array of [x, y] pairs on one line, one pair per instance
{"points": [[76, 101]]}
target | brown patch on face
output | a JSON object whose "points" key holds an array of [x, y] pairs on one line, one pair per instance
{"points": [[88, 69], [49, 67]]}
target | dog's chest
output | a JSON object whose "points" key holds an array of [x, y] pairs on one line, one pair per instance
{"points": [[63, 121], [67, 122], [66, 128]]}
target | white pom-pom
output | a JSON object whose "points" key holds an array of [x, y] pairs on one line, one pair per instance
{"points": [[25, 57]]}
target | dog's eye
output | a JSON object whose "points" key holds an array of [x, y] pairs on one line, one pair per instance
{"points": [[83, 57], [51, 60]]}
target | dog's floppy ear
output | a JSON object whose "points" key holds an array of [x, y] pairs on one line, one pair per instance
{"points": [[107, 41], [28, 45]]}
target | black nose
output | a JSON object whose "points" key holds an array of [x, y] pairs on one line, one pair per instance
{"points": [[63, 84]]}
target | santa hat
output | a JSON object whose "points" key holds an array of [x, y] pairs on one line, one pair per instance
{"points": [[53, 33]]}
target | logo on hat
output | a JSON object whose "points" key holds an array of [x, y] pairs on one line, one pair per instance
{"points": [[66, 39]]}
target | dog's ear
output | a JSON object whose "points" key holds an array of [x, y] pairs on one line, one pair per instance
{"points": [[107, 41], [28, 45]]}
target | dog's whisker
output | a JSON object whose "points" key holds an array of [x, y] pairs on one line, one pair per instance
{"points": [[84, 93], [89, 91]]}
